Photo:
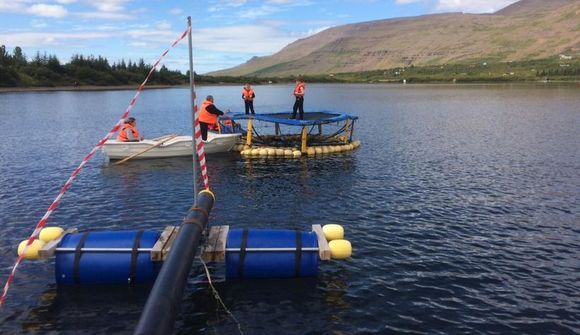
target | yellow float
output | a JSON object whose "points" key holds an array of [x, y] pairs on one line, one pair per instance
{"points": [[340, 249]]}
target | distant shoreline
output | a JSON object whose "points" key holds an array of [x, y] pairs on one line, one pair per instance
{"points": [[90, 88], [83, 88]]}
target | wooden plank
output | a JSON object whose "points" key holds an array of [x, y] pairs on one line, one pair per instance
{"points": [[214, 249], [169, 243], [159, 251], [48, 250], [323, 248]]}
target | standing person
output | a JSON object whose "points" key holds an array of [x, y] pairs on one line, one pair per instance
{"points": [[299, 90], [129, 132], [208, 116], [248, 96]]}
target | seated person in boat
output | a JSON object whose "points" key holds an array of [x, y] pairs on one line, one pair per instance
{"points": [[129, 132], [208, 116]]}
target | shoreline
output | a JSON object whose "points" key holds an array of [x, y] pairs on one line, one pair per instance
{"points": [[91, 88], [87, 88]]}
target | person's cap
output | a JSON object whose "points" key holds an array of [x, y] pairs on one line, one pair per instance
{"points": [[209, 97], [129, 120]]}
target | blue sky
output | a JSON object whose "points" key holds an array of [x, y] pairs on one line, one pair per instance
{"points": [[225, 32]]}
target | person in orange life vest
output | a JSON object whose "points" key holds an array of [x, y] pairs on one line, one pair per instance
{"points": [[129, 132], [248, 96], [208, 116], [299, 90]]}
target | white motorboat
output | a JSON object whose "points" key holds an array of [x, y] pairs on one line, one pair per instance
{"points": [[168, 146]]}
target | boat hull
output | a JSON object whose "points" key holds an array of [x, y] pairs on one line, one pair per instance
{"points": [[179, 146]]}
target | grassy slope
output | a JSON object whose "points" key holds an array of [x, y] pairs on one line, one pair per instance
{"points": [[519, 32]]}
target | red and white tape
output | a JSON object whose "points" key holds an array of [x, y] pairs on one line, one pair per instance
{"points": [[199, 146], [76, 172]]}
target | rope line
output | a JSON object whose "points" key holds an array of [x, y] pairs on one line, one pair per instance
{"points": [[218, 298], [76, 172]]}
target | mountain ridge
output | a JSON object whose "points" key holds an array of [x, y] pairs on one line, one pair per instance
{"points": [[527, 29]]}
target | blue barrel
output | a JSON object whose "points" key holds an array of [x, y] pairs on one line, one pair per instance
{"points": [[244, 263], [103, 267]]}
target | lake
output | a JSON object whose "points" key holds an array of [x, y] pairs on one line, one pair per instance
{"points": [[462, 205]]}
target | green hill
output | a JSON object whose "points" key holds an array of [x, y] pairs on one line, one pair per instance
{"points": [[527, 30]]}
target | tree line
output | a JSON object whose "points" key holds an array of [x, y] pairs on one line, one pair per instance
{"points": [[44, 70]]}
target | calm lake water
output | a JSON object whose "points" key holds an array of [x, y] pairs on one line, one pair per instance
{"points": [[462, 206]]}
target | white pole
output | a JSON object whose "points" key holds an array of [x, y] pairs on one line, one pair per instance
{"points": [[192, 88]]}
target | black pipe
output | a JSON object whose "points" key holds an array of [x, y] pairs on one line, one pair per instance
{"points": [[162, 306]]}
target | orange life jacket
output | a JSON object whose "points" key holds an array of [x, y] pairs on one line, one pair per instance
{"points": [[248, 95], [205, 116], [123, 134], [299, 89]]}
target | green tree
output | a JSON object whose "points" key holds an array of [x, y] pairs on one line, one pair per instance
{"points": [[18, 58]]}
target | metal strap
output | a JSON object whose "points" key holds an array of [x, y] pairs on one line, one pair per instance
{"points": [[134, 256], [243, 246], [77, 260], [298, 254]]}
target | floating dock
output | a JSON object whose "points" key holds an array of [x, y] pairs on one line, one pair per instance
{"points": [[319, 133]]}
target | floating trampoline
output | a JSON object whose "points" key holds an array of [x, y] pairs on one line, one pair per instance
{"points": [[276, 134]]}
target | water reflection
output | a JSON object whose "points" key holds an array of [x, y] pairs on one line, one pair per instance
{"points": [[73, 310]]}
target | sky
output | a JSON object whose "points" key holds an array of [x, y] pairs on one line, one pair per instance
{"points": [[225, 33]]}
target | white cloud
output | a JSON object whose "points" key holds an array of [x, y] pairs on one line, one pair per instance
{"points": [[224, 4], [264, 40], [65, 2], [104, 15], [47, 10], [176, 11], [254, 13], [473, 6], [35, 39], [405, 2], [30, 7], [108, 5], [163, 25], [38, 24], [468, 6], [138, 44], [11, 6]]}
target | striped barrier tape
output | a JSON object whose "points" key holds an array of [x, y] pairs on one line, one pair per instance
{"points": [[76, 172], [199, 146]]}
